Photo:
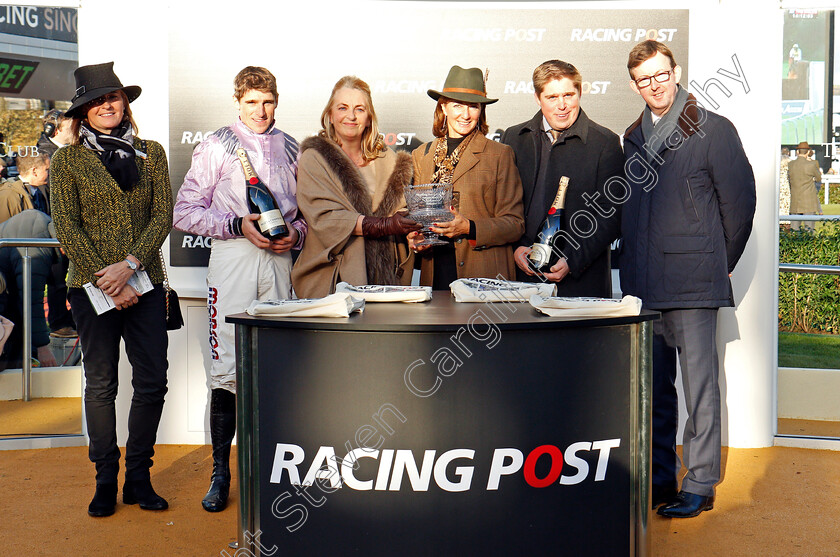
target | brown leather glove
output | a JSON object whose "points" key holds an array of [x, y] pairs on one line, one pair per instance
{"points": [[397, 225]]}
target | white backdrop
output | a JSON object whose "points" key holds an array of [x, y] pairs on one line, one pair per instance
{"points": [[408, 49], [719, 30]]}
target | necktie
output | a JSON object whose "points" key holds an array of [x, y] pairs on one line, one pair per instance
{"points": [[39, 201], [555, 134]]}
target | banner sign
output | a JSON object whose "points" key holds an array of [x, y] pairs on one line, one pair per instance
{"points": [[401, 444], [58, 24], [15, 74], [403, 50]]}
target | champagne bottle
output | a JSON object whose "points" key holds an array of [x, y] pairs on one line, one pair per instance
{"points": [[542, 254], [272, 225]]}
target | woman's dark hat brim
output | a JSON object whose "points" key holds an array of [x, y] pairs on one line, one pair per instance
{"points": [[95, 81], [465, 85], [460, 96]]}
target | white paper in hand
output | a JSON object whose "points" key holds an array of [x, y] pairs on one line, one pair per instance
{"points": [[102, 302]]}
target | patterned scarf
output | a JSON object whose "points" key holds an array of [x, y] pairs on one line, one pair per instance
{"points": [[445, 166], [115, 150]]}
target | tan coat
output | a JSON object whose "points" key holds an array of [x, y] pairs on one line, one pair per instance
{"points": [[14, 198], [802, 173], [491, 197], [330, 192]]}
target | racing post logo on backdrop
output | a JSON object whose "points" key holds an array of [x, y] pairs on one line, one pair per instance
{"points": [[543, 466]]}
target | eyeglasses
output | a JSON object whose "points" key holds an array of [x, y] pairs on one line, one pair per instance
{"points": [[99, 101], [660, 77]]}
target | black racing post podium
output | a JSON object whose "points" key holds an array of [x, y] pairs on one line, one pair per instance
{"points": [[439, 428]]}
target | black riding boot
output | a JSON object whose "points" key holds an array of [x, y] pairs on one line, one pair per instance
{"points": [[222, 428]]}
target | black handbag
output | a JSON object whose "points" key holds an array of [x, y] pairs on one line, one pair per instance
{"points": [[174, 319]]}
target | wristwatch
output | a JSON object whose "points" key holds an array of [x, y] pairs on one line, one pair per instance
{"points": [[131, 264]]}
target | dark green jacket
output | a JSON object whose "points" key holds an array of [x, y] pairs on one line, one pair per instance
{"points": [[98, 223]]}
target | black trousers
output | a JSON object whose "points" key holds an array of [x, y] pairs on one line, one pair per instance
{"points": [[143, 328], [59, 316]]}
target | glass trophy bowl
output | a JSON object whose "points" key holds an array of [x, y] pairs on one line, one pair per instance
{"points": [[429, 203]]}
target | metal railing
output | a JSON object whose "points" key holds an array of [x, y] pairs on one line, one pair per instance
{"points": [[828, 181], [809, 217], [802, 267], [26, 243]]}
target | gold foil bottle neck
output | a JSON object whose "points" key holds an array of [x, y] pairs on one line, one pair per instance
{"points": [[560, 199], [247, 169]]}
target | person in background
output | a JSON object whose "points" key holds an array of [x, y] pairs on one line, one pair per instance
{"points": [[57, 132], [112, 207], [7, 160], [244, 265], [784, 182], [6, 327], [684, 227], [483, 172], [561, 140], [804, 175], [26, 224], [350, 190], [29, 191]]}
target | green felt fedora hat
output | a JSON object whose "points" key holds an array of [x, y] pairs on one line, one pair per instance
{"points": [[465, 85]]}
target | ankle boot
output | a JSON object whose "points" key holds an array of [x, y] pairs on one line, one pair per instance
{"points": [[222, 428], [141, 491], [104, 501]]}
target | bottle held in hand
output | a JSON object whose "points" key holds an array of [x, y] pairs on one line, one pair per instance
{"points": [[271, 224], [542, 255]]}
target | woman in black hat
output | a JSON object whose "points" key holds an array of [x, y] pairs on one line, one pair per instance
{"points": [[112, 207], [484, 176]]}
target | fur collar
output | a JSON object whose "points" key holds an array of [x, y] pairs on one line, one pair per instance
{"points": [[354, 185], [380, 256]]}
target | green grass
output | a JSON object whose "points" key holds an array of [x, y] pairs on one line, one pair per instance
{"points": [[804, 350], [831, 209]]}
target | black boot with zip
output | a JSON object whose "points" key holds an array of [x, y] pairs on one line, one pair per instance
{"points": [[222, 428]]}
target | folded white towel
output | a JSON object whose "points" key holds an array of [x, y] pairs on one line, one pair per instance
{"points": [[339, 304], [497, 290], [585, 308], [376, 293]]}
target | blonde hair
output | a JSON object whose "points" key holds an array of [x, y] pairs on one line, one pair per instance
{"points": [[254, 77], [555, 69], [28, 162], [372, 144]]}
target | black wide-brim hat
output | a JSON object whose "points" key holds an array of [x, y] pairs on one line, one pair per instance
{"points": [[463, 85], [94, 81]]}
